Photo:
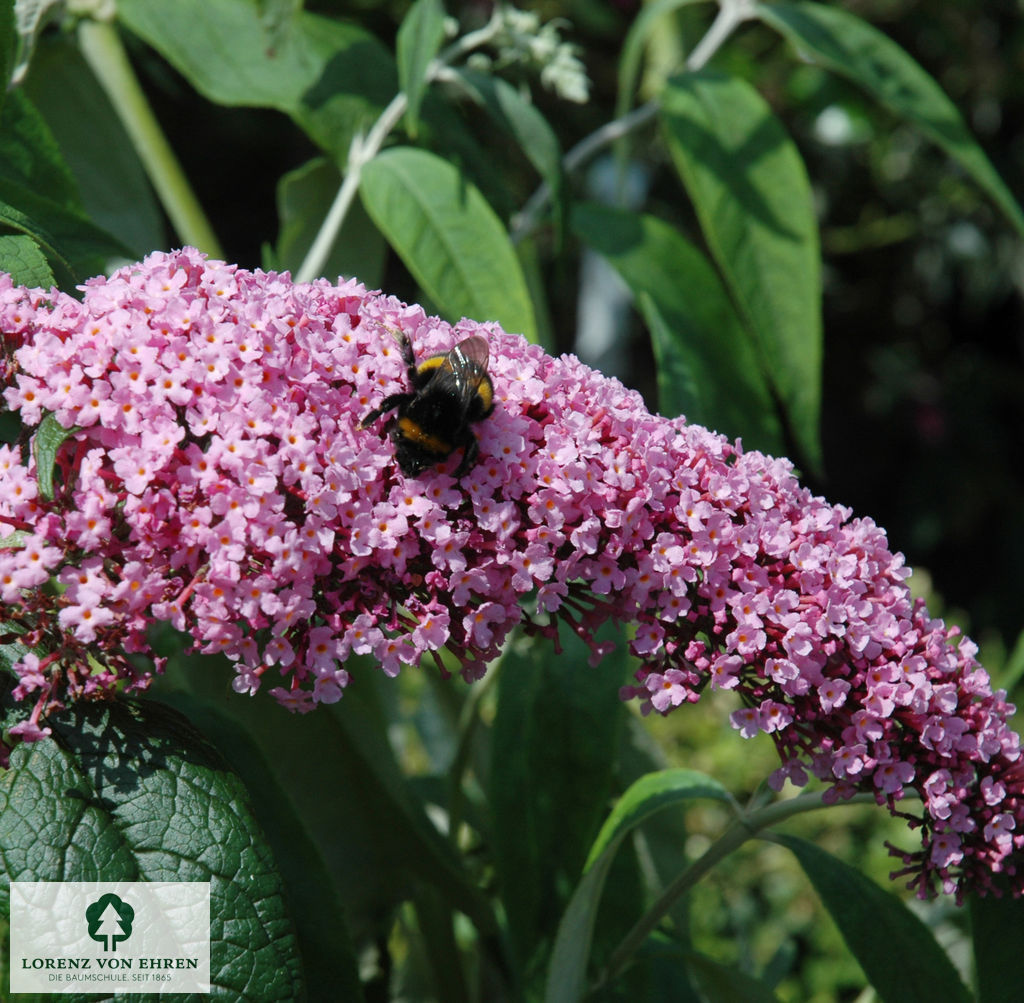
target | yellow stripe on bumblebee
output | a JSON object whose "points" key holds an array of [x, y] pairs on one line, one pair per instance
{"points": [[450, 391]]}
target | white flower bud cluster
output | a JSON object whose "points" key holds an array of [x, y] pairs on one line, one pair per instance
{"points": [[521, 40]]}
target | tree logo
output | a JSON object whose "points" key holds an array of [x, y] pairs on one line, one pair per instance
{"points": [[110, 920]]}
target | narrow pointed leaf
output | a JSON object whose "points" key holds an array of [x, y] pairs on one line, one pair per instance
{"points": [[419, 38], [898, 953], [841, 42], [727, 984], [647, 796], [997, 930], [518, 116], [707, 366], [550, 778], [358, 250], [449, 238], [48, 438], [750, 189], [647, 19]]}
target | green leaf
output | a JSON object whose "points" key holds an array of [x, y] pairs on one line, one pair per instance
{"points": [[21, 257], [898, 953], [633, 47], [47, 439], [750, 189], [313, 890], [647, 796], [15, 540], [332, 78], [842, 43], [997, 931], [29, 155], [707, 366], [520, 118], [39, 197], [726, 983], [13, 218], [556, 728], [131, 792], [8, 44], [419, 40], [449, 238], [359, 249], [114, 189], [343, 789]]}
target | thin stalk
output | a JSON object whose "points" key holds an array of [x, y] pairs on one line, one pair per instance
{"points": [[745, 826], [361, 151], [101, 46], [731, 14]]}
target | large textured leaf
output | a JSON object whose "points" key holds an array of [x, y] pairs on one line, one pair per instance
{"points": [[843, 43], [131, 792], [22, 258], [449, 238], [317, 903], [753, 199], [897, 951], [708, 368], [649, 795]]}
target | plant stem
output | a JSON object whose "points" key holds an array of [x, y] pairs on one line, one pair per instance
{"points": [[101, 46], [745, 826], [360, 152], [731, 14]]}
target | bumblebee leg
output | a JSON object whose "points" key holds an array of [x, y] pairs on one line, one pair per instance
{"points": [[385, 405], [408, 356], [471, 450]]}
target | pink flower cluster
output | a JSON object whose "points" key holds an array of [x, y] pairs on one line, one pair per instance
{"points": [[215, 477]]}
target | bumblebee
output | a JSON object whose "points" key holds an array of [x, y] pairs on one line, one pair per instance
{"points": [[450, 392]]}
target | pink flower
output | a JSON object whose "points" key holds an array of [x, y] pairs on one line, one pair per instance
{"points": [[218, 479]]}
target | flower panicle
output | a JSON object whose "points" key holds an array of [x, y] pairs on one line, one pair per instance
{"points": [[216, 477]]}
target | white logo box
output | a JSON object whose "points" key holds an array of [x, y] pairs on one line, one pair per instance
{"points": [[110, 936]]}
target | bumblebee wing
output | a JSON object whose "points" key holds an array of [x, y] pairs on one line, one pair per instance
{"points": [[472, 350], [467, 363]]}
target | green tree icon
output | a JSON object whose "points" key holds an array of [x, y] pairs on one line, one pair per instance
{"points": [[110, 920]]}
